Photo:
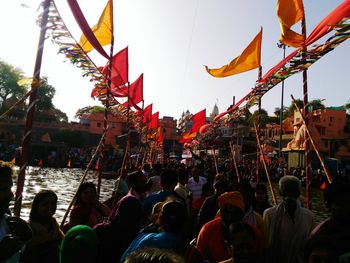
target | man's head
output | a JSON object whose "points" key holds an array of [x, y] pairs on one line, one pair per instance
{"points": [[5, 186], [137, 181], [242, 243], [232, 207], [289, 187], [195, 173], [168, 179], [172, 216]]}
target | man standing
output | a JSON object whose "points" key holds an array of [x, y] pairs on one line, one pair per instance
{"points": [[195, 184], [287, 225], [125, 221]]}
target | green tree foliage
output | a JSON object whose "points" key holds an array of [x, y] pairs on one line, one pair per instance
{"points": [[315, 104], [88, 109], [10, 90], [264, 118]]}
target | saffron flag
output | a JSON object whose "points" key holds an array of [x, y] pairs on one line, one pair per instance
{"points": [[199, 119], [289, 13], [187, 137], [84, 26], [154, 121], [248, 60], [103, 30]]}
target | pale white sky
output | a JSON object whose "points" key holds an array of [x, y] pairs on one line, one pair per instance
{"points": [[170, 41]]}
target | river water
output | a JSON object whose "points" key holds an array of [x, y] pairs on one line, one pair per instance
{"points": [[64, 182]]}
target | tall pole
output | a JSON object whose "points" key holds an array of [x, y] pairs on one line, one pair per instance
{"points": [[102, 157], [30, 112], [306, 118], [259, 131], [281, 109]]}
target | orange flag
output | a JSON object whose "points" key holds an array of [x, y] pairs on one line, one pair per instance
{"points": [[103, 30], [289, 13], [248, 60]]}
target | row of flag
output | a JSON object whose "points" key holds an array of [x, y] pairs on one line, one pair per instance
{"points": [[116, 69]]}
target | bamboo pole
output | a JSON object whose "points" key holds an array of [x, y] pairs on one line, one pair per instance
{"points": [[329, 179], [31, 109], [21, 100], [265, 167], [234, 161], [215, 162], [83, 178], [305, 116]]}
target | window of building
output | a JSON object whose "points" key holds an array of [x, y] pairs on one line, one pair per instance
{"points": [[98, 124], [331, 119]]}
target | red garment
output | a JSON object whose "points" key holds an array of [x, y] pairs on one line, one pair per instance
{"points": [[87, 216], [211, 242]]}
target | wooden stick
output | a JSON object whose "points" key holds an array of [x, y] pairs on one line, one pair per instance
{"points": [[329, 179], [215, 162], [234, 162], [265, 167], [31, 109]]}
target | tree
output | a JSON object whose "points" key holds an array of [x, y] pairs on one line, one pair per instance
{"points": [[277, 112], [264, 118], [10, 90], [45, 110], [88, 109]]}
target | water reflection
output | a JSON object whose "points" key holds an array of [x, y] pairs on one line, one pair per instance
{"points": [[64, 182]]}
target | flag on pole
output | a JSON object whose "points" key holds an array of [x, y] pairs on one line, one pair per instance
{"points": [[248, 60], [147, 114], [289, 13], [154, 121], [103, 30], [84, 26], [136, 92], [199, 119]]}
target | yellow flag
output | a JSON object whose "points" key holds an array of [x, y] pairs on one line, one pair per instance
{"points": [[102, 31], [248, 60], [289, 13]]}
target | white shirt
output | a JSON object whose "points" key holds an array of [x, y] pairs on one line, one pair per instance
{"points": [[196, 187]]}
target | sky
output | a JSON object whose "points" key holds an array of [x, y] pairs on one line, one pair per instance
{"points": [[170, 41]]}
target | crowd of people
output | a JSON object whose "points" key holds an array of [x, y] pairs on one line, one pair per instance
{"points": [[178, 213]]}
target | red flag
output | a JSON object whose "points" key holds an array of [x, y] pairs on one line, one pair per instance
{"points": [[154, 121], [198, 121], [136, 90], [147, 114], [136, 93], [120, 70]]}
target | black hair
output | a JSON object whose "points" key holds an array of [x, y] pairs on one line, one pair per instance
{"points": [[34, 215], [168, 177], [132, 178], [81, 189], [173, 216], [153, 255]]}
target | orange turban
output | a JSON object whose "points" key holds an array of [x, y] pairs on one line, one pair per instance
{"points": [[233, 198]]}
